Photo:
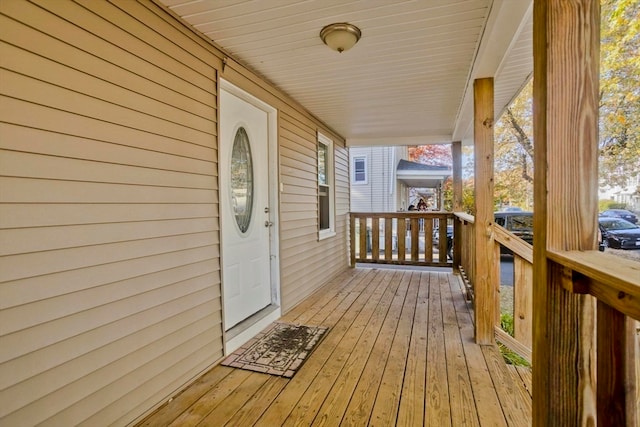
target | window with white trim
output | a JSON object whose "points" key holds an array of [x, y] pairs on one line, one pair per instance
{"points": [[359, 168], [326, 210]]}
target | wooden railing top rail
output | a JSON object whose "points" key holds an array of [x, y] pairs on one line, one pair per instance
{"points": [[465, 217], [614, 280], [402, 214], [509, 240]]}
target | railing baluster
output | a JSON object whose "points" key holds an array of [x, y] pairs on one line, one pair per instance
{"points": [[388, 239], [415, 239], [367, 241], [611, 344], [402, 238], [375, 238], [363, 239]]}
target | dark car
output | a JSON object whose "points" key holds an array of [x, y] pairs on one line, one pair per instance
{"points": [[621, 213], [519, 223], [618, 233], [436, 239]]}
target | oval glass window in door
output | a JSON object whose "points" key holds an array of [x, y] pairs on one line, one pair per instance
{"points": [[241, 180]]}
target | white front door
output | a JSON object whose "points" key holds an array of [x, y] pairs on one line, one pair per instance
{"points": [[244, 207]]}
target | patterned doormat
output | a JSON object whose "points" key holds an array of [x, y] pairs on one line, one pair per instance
{"points": [[281, 349]]}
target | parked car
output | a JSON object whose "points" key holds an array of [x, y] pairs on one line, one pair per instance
{"points": [[519, 223], [436, 239], [619, 233], [621, 213]]}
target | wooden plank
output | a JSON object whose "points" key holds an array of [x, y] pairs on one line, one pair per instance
{"points": [[375, 238], [612, 366], [428, 239], [514, 243], [523, 301], [412, 396], [211, 400], [463, 411], [415, 240], [258, 403], [521, 388], [335, 403], [442, 239], [310, 402], [341, 320], [516, 408], [513, 344], [358, 411], [236, 400], [388, 239], [565, 88], [525, 374], [385, 409], [618, 287], [401, 233], [485, 307], [486, 400], [437, 400], [363, 239], [169, 412], [352, 241]]}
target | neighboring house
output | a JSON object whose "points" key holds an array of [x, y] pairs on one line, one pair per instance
{"points": [[383, 180], [374, 186], [628, 194]]}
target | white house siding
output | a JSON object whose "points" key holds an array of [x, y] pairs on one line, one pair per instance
{"points": [[382, 192], [109, 233]]}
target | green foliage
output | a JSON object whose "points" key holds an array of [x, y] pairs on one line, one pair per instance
{"points": [[619, 91], [506, 323], [603, 205], [512, 358], [513, 165], [619, 111]]}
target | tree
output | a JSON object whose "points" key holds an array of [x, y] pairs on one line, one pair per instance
{"points": [[434, 155], [619, 113], [513, 157], [619, 91]]}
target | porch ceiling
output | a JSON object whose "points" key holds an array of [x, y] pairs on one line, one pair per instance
{"points": [[409, 79]]}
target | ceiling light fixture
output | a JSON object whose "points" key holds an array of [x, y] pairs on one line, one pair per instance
{"points": [[340, 36]]}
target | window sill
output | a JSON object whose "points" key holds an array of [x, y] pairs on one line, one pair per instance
{"points": [[325, 234]]}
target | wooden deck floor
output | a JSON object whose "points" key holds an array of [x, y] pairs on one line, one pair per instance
{"points": [[400, 351]]}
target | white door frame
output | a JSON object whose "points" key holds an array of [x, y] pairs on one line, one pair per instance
{"points": [[275, 311]]}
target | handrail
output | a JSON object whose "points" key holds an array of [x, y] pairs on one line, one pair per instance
{"points": [[618, 287], [465, 217], [510, 241]]}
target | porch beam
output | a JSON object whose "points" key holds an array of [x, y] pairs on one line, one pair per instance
{"points": [[485, 280], [565, 92], [456, 154]]}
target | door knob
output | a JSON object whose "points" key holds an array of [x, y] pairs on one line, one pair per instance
{"points": [[268, 223]]}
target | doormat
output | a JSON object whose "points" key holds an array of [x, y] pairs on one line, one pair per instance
{"points": [[281, 349]]}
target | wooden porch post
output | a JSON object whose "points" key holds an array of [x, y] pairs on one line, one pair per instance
{"points": [[565, 92], [456, 154], [485, 292]]}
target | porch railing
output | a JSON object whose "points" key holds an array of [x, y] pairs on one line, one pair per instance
{"points": [[403, 238], [617, 291], [521, 341]]}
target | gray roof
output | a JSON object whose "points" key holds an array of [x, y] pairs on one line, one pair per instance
{"points": [[405, 165]]}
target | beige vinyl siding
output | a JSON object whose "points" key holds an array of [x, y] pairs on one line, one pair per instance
{"points": [[109, 239], [110, 295], [306, 262]]}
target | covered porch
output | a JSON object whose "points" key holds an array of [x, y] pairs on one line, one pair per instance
{"points": [[400, 351]]}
